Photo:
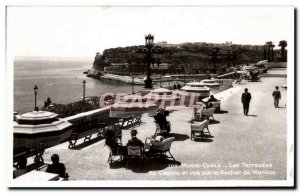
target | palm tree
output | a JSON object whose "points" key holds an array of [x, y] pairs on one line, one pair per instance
{"points": [[265, 53], [270, 50], [272, 53], [228, 56], [215, 57], [234, 56], [283, 44]]}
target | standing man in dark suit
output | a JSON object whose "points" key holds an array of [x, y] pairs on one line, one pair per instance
{"points": [[277, 96], [246, 97]]}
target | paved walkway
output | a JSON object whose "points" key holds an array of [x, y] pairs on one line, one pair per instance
{"points": [[237, 144]]}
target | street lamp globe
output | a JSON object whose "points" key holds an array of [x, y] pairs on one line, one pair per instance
{"points": [[35, 89], [149, 39]]}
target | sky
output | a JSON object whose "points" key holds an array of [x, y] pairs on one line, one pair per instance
{"points": [[82, 31]]}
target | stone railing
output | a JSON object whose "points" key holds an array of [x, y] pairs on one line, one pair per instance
{"points": [[100, 115]]}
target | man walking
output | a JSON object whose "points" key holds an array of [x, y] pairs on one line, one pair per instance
{"points": [[246, 97], [277, 96]]}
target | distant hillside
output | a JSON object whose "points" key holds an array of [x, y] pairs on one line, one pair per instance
{"points": [[189, 55]]}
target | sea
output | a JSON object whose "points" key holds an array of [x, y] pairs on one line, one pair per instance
{"points": [[60, 79]]}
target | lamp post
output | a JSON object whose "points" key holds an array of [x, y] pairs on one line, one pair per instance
{"points": [[132, 88], [160, 81], [149, 44], [35, 94], [83, 84], [150, 55], [234, 56]]}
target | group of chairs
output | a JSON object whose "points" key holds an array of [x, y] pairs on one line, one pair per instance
{"points": [[202, 115], [153, 148]]}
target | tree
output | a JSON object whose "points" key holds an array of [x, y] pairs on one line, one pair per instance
{"points": [[228, 56], [265, 53], [234, 56], [215, 57], [270, 47], [283, 44]]}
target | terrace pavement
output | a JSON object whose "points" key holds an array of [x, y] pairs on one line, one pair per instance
{"points": [[236, 141]]}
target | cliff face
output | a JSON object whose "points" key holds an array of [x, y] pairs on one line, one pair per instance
{"points": [[190, 55]]}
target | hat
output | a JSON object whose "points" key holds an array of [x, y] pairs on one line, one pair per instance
{"points": [[133, 131]]}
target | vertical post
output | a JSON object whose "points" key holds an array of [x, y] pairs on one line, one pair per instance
{"points": [[149, 44], [35, 94], [83, 84], [160, 81], [132, 85]]}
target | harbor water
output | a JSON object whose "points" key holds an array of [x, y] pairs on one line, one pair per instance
{"points": [[61, 80]]}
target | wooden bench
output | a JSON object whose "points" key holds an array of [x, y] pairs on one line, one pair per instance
{"points": [[130, 121], [38, 160], [88, 130]]}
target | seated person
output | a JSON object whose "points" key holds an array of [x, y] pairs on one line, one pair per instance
{"points": [[111, 141], [161, 119], [56, 167], [22, 168], [157, 141], [134, 141], [212, 99]]}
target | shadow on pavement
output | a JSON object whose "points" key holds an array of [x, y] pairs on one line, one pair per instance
{"points": [[133, 125], [281, 107], [179, 137], [252, 115], [220, 112], [211, 122], [145, 165], [203, 140], [85, 144]]}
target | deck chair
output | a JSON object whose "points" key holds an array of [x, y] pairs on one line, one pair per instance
{"points": [[206, 113], [160, 131], [216, 105], [134, 152], [113, 155], [160, 149], [199, 127]]}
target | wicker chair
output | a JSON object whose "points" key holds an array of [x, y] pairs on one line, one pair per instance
{"points": [[208, 112], [160, 149], [199, 127], [113, 155], [134, 152]]}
